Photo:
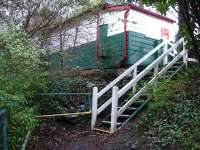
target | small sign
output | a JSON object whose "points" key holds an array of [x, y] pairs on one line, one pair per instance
{"points": [[165, 34]]}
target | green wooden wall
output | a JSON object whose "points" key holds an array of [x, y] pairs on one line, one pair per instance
{"points": [[110, 52], [110, 48], [82, 57], [138, 45]]}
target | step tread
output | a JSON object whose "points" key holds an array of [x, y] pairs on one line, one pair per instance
{"points": [[108, 122], [124, 115], [132, 108], [102, 130], [176, 66], [171, 71], [139, 101]]}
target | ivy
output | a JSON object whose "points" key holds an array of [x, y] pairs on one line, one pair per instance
{"points": [[173, 115]]}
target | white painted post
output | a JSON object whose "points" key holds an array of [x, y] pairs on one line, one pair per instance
{"points": [[94, 107], [134, 75], [165, 60], [186, 51], [155, 75], [114, 109], [185, 55]]}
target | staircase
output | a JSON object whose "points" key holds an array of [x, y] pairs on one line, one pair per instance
{"points": [[109, 115]]}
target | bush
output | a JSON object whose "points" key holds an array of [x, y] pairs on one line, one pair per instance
{"points": [[51, 104], [22, 73]]}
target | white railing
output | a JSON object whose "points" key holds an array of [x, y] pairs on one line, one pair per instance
{"points": [[117, 93]]}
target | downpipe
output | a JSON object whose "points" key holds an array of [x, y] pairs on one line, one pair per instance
{"points": [[125, 38]]}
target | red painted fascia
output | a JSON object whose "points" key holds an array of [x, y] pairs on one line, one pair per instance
{"points": [[139, 9], [150, 13], [97, 39], [116, 8]]}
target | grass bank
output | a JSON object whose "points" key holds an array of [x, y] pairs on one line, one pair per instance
{"points": [[173, 116]]}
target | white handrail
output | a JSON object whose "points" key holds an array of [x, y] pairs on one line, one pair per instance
{"points": [[121, 110], [138, 77], [119, 78], [147, 69], [135, 79]]}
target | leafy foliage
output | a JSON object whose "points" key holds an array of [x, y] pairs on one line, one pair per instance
{"points": [[21, 74], [55, 103], [173, 115]]}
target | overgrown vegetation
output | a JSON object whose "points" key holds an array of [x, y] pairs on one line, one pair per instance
{"points": [[22, 73], [54, 102], [173, 115]]}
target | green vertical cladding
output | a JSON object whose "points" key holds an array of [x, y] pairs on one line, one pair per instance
{"points": [[110, 48], [138, 45], [81, 57], [110, 51], [55, 62]]}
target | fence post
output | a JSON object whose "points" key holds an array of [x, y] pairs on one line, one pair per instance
{"points": [[94, 107], [114, 109], [134, 75], [155, 76], [185, 55], [165, 47], [5, 136], [3, 129]]}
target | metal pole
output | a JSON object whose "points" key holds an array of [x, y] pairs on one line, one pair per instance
{"points": [[4, 131]]}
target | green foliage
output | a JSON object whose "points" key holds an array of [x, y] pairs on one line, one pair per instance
{"points": [[173, 115], [21, 74], [162, 5]]}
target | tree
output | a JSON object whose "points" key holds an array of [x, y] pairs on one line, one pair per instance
{"points": [[22, 74], [38, 17]]}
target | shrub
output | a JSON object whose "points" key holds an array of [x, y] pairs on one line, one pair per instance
{"points": [[51, 104], [22, 73]]}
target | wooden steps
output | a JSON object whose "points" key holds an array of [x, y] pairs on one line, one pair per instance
{"points": [[130, 112], [127, 99]]}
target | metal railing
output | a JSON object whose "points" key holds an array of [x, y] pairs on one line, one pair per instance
{"points": [[87, 99], [117, 93]]}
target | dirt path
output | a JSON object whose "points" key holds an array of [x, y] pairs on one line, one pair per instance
{"points": [[59, 136], [63, 136]]}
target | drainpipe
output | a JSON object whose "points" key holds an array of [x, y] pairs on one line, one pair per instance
{"points": [[125, 38], [97, 39]]}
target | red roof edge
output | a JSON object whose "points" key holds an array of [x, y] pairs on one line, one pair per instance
{"points": [[139, 9]]}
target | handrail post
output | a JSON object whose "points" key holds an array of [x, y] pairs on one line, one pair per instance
{"points": [[94, 107], [185, 55], [114, 109], [165, 60], [155, 76], [134, 75]]}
